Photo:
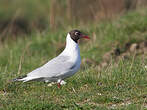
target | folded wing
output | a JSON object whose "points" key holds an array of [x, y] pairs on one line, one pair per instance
{"points": [[55, 67]]}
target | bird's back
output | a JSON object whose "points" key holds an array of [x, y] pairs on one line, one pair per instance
{"points": [[57, 67]]}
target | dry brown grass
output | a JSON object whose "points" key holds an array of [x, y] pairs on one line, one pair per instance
{"points": [[87, 11], [38, 16]]}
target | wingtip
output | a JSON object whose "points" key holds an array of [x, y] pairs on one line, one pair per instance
{"points": [[14, 80], [18, 79]]}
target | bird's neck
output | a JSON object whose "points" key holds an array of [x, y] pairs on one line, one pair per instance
{"points": [[71, 48]]}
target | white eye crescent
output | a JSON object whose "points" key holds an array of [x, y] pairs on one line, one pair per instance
{"points": [[76, 33]]}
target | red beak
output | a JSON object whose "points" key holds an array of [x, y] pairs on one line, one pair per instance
{"points": [[84, 36]]}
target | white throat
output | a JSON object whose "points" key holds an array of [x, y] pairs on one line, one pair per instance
{"points": [[72, 48]]}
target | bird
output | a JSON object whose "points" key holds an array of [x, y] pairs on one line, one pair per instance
{"points": [[65, 65]]}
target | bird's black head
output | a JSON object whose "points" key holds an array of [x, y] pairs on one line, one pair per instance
{"points": [[76, 35]]}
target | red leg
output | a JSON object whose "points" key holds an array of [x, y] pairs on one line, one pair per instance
{"points": [[59, 85]]}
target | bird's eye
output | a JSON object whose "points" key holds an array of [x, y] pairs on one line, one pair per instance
{"points": [[76, 33]]}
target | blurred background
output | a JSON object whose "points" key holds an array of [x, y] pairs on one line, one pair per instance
{"points": [[24, 17]]}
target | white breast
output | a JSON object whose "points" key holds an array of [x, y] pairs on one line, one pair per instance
{"points": [[72, 50]]}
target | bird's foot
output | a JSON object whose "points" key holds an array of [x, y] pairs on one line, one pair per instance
{"points": [[60, 82]]}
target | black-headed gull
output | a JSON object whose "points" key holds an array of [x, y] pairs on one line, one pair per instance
{"points": [[63, 66]]}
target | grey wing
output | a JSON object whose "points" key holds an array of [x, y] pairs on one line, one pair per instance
{"points": [[53, 68]]}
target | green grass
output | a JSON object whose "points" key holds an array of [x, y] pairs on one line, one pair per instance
{"points": [[112, 88]]}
